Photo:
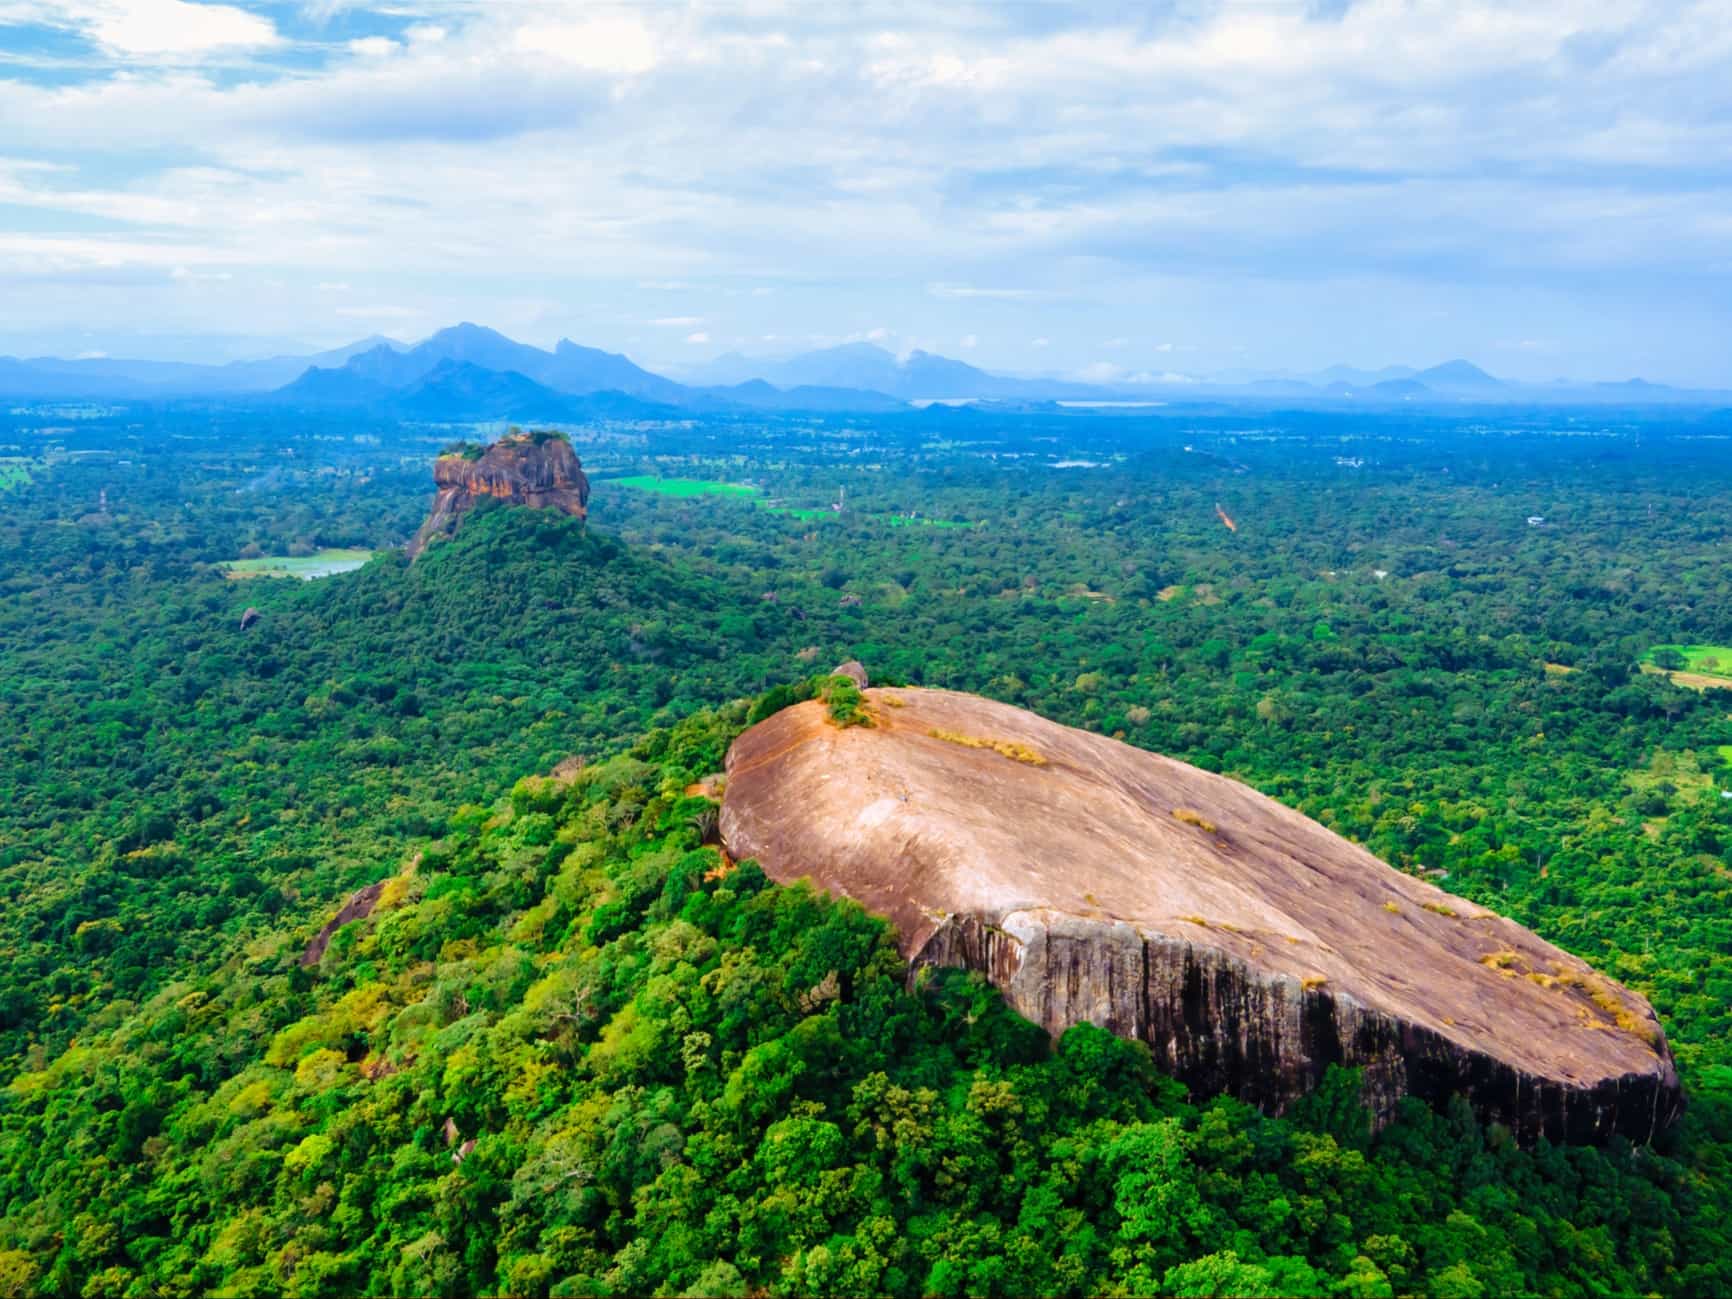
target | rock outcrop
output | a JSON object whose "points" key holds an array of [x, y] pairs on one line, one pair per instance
{"points": [[359, 906], [536, 470], [1249, 946]]}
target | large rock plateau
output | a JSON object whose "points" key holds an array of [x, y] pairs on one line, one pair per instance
{"points": [[536, 470], [1246, 944]]}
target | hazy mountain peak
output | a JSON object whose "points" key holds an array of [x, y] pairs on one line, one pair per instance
{"points": [[1458, 372]]}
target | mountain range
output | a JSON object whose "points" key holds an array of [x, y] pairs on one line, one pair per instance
{"points": [[470, 372]]}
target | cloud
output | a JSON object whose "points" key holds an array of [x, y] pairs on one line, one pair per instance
{"points": [[146, 29], [968, 342], [184, 275], [699, 337], [942, 290], [611, 43], [1264, 175]]}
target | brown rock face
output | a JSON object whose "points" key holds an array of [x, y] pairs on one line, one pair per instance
{"points": [[534, 470], [1247, 945]]}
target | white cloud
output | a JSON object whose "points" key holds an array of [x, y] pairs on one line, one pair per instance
{"points": [[699, 337], [616, 44], [944, 290], [146, 29], [1422, 143], [1040, 342], [968, 342], [185, 275]]}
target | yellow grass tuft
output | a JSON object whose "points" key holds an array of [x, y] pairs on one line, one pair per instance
{"points": [[1392, 908], [1012, 749], [1311, 982], [1197, 819], [1438, 908]]}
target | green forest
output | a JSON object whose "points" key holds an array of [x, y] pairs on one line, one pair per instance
{"points": [[573, 1051]]}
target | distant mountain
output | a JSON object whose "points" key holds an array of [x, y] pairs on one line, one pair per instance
{"points": [[759, 395], [460, 391], [1457, 376], [463, 389], [344, 387], [122, 379], [567, 369], [1352, 377], [588, 369], [385, 376], [865, 367], [420, 383], [1400, 388]]}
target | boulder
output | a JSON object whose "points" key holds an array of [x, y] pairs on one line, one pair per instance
{"points": [[1247, 945], [854, 670]]}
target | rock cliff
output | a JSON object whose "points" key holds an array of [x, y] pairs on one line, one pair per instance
{"points": [[536, 470], [1246, 944]]}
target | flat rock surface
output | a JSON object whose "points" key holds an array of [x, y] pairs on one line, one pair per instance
{"points": [[991, 836]]}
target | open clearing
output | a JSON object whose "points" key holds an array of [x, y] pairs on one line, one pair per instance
{"points": [[323, 563], [681, 486], [1706, 667], [14, 472], [690, 487]]}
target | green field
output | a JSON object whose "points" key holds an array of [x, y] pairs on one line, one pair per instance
{"points": [[690, 487], [806, 514], [683, 486], [1702, 660], [14, 472], [323, 563]]}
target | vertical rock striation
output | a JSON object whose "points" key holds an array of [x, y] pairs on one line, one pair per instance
{"points": [[1248, 946], [536, 470]]}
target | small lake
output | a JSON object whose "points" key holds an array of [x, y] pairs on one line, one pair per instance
{"points": [[324, 563]]}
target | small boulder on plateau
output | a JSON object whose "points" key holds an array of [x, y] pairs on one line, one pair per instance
{"points": [[538, 471], [1247, 945], [854, 670]]}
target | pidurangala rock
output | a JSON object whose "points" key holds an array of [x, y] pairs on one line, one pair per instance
{"points": [[537, 470], [1247, 945]]}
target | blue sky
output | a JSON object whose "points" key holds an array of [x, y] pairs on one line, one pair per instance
{"points": [[1127, 192]]}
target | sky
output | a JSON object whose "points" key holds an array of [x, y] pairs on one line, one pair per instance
{"points": [[1134, 193]]}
